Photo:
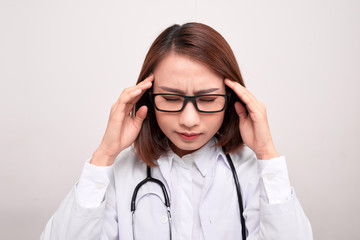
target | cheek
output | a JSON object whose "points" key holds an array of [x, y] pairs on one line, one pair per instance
{"points": [[216, 120], [215, 124], [163, 120]]}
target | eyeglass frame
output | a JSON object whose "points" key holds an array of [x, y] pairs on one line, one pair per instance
{"points": [[191, 99]]}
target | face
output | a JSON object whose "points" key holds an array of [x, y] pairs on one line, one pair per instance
{"points": [[189, 129]]}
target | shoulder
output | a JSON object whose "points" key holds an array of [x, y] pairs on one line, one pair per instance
{"points": [[127, 160], [245, 162], [243, 156]]}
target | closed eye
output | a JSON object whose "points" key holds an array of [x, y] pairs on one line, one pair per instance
{"points": [[172, 99], [207, 99]]}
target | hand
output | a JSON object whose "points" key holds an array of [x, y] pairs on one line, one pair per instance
{"points": [[122, 129], [254, 127]]}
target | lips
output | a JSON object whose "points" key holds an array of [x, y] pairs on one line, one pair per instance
{"points": [[188, 136]]}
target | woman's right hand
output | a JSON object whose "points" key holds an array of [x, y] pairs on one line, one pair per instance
{"points": [[122, 129]]}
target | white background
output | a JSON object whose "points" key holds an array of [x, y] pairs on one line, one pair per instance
{"points": [[64, 63]]}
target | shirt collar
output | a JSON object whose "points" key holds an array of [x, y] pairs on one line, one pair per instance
{"points": [[209, 153]]}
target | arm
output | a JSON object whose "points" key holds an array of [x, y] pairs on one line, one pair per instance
{"points": [[273, 211], [87, 212], [281, 215]]}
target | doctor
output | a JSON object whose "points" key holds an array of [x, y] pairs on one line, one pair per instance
{"points": [[188, 110]]}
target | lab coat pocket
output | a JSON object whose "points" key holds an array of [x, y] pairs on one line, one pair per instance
{"points": [[150, 220]]}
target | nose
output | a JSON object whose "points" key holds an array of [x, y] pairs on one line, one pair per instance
{"points": [[189, 116]]}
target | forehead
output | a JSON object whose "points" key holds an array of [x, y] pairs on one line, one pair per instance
{"points": [[180, 71]]}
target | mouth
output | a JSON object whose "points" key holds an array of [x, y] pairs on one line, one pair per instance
{"points": [[188, 136]]}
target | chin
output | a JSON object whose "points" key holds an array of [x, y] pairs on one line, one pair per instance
{"points": [[182, 148]]}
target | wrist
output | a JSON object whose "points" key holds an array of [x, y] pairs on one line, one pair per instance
{"points": [[99, 158], [267, 155]]}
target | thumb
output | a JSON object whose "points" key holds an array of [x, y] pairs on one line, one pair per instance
{"points": [[240, 110], [140, 116]]}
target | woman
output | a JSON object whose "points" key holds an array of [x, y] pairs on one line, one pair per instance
{"points": [[188, 110]]}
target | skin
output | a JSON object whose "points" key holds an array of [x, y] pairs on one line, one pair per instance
{"points": [[254, 128], [180, 73]]}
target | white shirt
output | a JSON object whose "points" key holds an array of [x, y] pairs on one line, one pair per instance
{"points": [[202, 195]]}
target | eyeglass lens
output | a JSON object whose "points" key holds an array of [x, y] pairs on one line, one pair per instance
{"points": [[206, 103]]}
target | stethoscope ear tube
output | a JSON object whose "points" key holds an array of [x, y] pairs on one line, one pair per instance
{"points": [[149, 179], [166, 198]]}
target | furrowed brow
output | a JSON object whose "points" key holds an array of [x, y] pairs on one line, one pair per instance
{"points": [[200, 92], [204, 91], [173, 90]]}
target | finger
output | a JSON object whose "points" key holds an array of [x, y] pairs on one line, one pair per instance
{"points": [[143, 85], [128, 95], [143, 89], [240, 90], [140, 116], [252, 104], [131, 95], [150, 78], [241, 111], [126, 101]]}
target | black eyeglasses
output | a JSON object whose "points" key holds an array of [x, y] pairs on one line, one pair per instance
{"points": [[210, 103]]}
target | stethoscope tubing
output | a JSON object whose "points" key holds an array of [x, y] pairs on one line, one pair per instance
{"points": [[149, 178], [238, 191]]}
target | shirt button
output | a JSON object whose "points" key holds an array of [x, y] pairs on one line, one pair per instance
{"points": [[270, 177], [164, 218], [99, 186]]}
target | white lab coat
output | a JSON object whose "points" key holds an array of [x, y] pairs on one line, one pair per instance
{"points": [[218, 211]]}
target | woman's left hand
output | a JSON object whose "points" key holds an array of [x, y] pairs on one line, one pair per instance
{"points": [[254, 127]]}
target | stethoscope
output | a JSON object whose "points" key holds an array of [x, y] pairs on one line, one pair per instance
{"points": [[167, 201]]}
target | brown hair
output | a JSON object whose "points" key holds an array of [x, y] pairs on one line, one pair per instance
{"points": [[205, 45]]}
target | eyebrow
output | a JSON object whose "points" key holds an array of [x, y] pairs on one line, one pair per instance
{"points": [[173, 90]]}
